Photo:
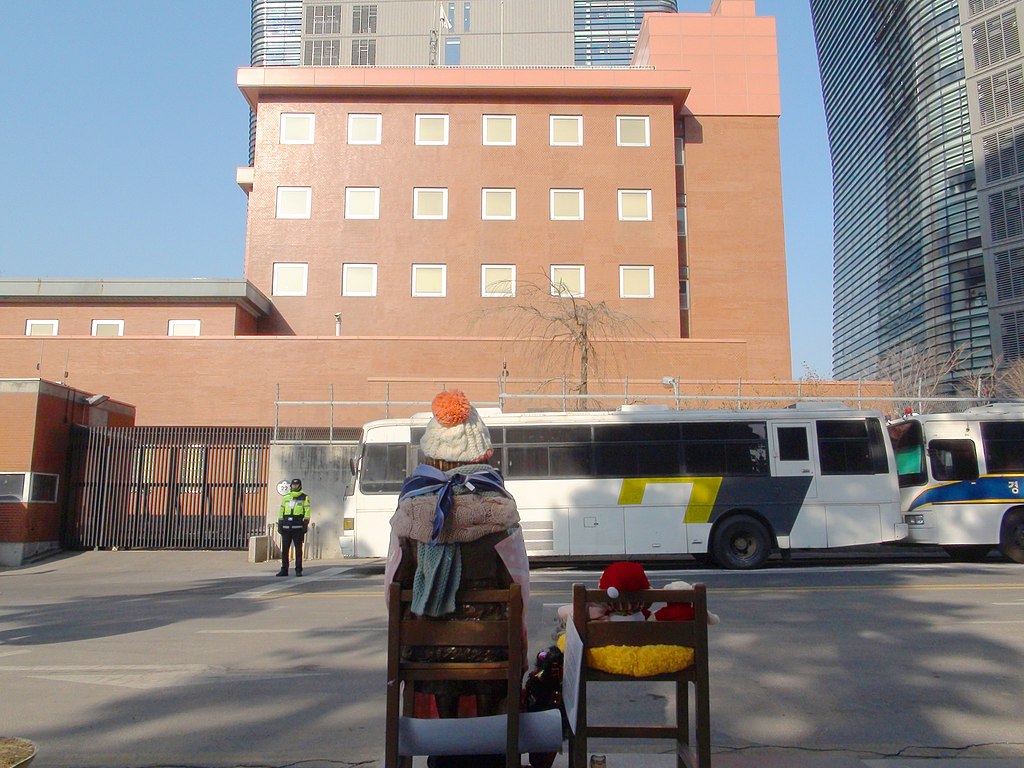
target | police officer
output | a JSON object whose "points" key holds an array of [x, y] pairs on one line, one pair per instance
{"points": [[292, 524]]}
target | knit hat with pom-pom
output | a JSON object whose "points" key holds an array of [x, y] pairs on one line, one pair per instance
{"points": [[456, 432], [623, 576]]}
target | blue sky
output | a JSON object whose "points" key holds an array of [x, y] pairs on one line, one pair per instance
{"points": [[122, 121]]}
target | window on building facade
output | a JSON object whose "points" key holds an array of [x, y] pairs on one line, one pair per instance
{"points": [[322, 53], [567, 280], [108, 327], [634, 205], [498, 280], [290, 279], [296, 128], [323, 19], [12, 486], [995, 40], [364, 52], [364, 128], [684, 294], [364, 19], [498, 204], [359, 280], [465, 15], [43, 488], [294, 202], [566, 204], [430, 203], [429, 280], [183, 327], [566, 130], [41, 327], [453, 51], [633, 130], [362, 202], [500, 130], [636, 282], [431, 129], [1001, 95]]}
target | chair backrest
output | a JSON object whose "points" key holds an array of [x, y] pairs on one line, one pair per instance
{"points": [[691, 632], [406, 630]]}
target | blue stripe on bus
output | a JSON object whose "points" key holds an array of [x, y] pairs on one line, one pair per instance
{"points": [[987, 489]]}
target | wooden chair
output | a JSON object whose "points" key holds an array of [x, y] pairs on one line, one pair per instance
{"points": [[412, 631], [693, 633]]}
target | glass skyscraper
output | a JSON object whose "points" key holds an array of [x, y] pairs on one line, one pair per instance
{"points": [[909, 270], [606, 30]]}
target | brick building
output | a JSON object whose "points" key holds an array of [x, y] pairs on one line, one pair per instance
{"points": [[397, 214]]}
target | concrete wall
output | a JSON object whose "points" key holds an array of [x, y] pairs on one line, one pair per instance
{"points": [[324, 470]]}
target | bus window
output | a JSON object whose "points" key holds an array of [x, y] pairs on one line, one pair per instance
{"points": [[569, 460], [531, 461], [793, 444], [908, 445], [851, 447], [1004, 445], [953, 459], [383, 467]]}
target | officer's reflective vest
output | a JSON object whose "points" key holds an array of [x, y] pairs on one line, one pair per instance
{"points": [[294, 511]]}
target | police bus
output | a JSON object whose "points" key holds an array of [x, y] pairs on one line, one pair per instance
{"points": [[728, 487], [961, 479]]}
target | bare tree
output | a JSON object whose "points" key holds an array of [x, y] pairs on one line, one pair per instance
{"points": [[579, 328], [918, 374], [1011, 381]]}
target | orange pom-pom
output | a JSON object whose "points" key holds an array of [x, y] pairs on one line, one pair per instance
{"points": [[451, 407]]}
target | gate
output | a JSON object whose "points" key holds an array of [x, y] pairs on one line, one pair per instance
{"points": [[166, 487]]}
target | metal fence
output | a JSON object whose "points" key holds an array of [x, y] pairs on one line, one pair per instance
{"points": [[166, 487]]}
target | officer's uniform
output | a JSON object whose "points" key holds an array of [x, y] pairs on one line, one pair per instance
{"points": [[292, 524]]}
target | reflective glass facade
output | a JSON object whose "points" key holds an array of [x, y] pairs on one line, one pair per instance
{"points": [[606, 30], [909, 268]]}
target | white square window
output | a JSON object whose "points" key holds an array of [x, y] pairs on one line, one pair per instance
{"points": [[567, 280], [498, 204], [296, 128], [429, 279], [566, 130], [108, 327], [634, 205], [364, 129], [41, 327], [183, 327], [359, 280], [498, 280], [500, 130], [431, 129], [566, 204], [362, 202], [633, 130], [430, 203], [294, 202], [636, 282], [290, 279]]}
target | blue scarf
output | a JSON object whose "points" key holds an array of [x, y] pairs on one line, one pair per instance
{"points": [[426, 480]]}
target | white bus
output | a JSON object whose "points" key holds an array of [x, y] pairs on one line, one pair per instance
{"points": [[727, 487], [961, 479]]}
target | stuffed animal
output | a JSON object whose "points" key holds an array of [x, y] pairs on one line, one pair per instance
{"points": [[619, 577], [680, 611]]}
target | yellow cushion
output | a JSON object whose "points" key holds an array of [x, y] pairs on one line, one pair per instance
{"points": [[637, 661]]}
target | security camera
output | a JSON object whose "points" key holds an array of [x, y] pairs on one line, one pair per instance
{"points": [[97, 399]]}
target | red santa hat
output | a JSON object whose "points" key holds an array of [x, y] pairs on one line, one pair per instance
{"points": [[623, 576]]}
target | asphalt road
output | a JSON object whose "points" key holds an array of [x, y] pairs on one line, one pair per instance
{"points": [[202, 659]]}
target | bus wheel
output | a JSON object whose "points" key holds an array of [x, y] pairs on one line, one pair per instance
{"points": [[967, 553], [741, 543], [1011, 536]]}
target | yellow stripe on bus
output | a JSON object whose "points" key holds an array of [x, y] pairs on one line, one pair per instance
{"points": [[702, 494]]}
